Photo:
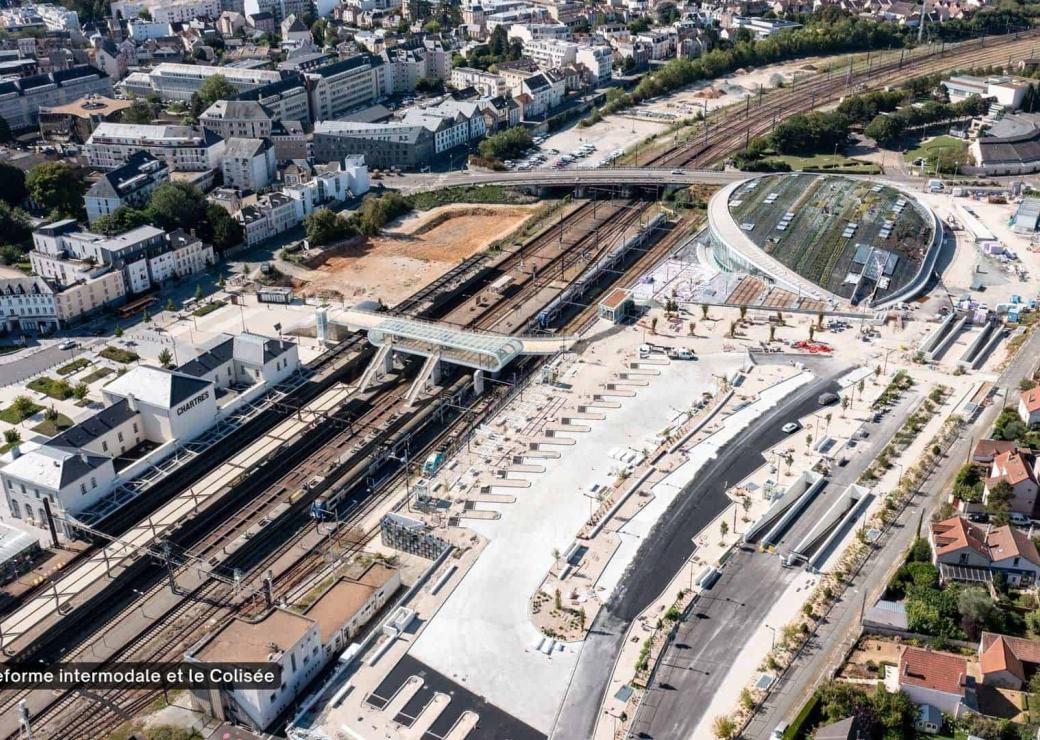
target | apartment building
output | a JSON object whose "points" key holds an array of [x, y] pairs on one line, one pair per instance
{"points": [[130, 185], [241, 118], [286, 100], [383, 145], [21, 99], [528, 32], [290, 141], [280, 9], [550, 53], [598, 62], [182, 148], [271, 215], [404, 68], [351, 83], [248, 164], [146, 256], [277, 212], [453, 123], [168, 11], [487, 84]]}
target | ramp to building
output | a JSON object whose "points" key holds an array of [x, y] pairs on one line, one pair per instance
{"points": [[815, 546], [785, 509]]}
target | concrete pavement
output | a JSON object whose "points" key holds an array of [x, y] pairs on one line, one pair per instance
{"points": [[664, 553]]}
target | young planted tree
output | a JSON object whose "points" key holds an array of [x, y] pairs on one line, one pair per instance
{"points": [[165, 358]]}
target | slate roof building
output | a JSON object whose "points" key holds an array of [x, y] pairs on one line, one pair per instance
{"points": [[130, 185]]}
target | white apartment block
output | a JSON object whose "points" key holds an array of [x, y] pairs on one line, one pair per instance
{"points": [[341, 86], [528, 32], [169, 11], [142, 30], [183, 148], [488, 84], [599, 61], [248, 164], [551, 53]]}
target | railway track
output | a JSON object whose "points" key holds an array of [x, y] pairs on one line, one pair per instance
{"points": [[64, 717], [740, 123]]}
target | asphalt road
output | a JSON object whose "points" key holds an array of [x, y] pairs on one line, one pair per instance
{"points": [[842, 625], [665, 551], [711, 639]]}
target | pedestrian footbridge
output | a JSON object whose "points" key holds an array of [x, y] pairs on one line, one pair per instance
{"points": [[484, 352]]}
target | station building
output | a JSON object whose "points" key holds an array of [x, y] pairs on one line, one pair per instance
{"points": [[300, 641], [149, 412]]}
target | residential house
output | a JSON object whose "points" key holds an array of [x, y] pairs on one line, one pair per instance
{"points": [[987, 449], [1016, 468], [937, 679], [1029, 406], [1007, 662], [963, 551]]}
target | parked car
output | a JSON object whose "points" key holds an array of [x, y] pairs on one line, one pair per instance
{"points": [[1019, 520], [681, 354], [790, 427], [979, 517], [826, 399], [67, 345], [778, 731]]}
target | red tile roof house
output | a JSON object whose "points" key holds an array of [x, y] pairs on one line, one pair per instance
{"points": [[939, 679], [1029, 406], [987, 449], [1007, 662], [963, 551], [1016, 468]]}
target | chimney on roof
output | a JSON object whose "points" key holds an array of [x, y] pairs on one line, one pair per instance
{"points": [[131, 401], [83, 457], [16, 452]]}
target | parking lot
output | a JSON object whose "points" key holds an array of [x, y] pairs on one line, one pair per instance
{"points": [[541, 155]]}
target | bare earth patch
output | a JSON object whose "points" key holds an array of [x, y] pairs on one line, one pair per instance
{"points": [[413, 251]]}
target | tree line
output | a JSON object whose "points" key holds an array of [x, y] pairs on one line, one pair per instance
{"points": [[177, 205]]}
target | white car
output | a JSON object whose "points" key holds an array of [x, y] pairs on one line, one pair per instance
{"points": [[778, 732], [680, 354], [790, 427]]}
